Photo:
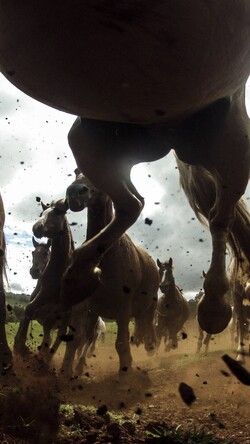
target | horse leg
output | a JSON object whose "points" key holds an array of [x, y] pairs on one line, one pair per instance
{"points": [[20, 346], [122, 344], [105, 152], [62, 330], [145, 331], [90, 336], [240, 321], [5, 352], [200, 339], [218, 139], [44, 347], [72, 345], [207, 341]]}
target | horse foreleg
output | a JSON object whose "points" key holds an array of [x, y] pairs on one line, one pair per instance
{"points": [[5, 352], [105, 152], [200, 340], [44, 347], [20, 346], [122, 345], [206, 342], [90, 337], [229, 162]]}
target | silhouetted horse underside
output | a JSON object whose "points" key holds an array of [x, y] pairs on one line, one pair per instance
{"points": [[146, 77]]}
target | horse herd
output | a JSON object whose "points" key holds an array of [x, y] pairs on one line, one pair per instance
{"points": [[129, 287], [144, 78], [130, 280]]}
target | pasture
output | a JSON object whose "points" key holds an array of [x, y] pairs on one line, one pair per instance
{"points": [[144, 407]]}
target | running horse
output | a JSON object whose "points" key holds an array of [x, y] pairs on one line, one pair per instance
{"points": [[129, 282], [145, 77], [44, 302], [172, 308], [5, 352]]}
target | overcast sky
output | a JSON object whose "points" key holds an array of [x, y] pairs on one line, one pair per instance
{"points": [[37, 162]]}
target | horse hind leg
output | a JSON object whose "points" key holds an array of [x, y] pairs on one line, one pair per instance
{"points": [[218, 139], [122, 344], [145, 331], [5, 352]]}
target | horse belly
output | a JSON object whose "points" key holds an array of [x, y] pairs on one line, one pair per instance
{"points": [[138, 61]]}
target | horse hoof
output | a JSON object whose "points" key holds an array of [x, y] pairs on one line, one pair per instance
{"points": [[214, 317]]}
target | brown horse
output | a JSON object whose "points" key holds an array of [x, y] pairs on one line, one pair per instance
{"points": [[5, 352], [146, 77], [172, 308], [40, 258], [44, 303], [129, 279]]}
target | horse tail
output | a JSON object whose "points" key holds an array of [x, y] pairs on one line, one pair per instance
{"points": [[145, 332]]}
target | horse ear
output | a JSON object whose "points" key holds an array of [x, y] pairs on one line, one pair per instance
{"points": [[77, 172], [204, 274], [62, 205], [35, 243], [170, 262], [158, 262], [44, 207]]}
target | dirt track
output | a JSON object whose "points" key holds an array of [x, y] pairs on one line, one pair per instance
{"points": [[151, 392]]}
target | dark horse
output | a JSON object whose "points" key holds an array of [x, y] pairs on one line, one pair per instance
{"points": [[129, 280], [5, 352], [199, 187], [145, 77], [172, 308]]}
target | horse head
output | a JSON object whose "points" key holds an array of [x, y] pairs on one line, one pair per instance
{"points": [[51, 220], [40, 257]]}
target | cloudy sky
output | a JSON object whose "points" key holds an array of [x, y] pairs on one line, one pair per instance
{"points": [[35, 161]]}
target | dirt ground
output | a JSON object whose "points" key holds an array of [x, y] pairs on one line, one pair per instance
{"points": [[149, 394]]}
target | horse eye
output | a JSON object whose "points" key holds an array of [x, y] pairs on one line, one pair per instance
{"points": [[83, 190]]}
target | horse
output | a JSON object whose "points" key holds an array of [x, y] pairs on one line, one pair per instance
{"points": [[143, 78], [199, 187], [129, 280], [45, 308], [5, 352], [40, 258], [44, 302], [172, 308]]}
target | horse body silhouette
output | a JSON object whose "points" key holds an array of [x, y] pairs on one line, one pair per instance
{"points": [[146, 77]]}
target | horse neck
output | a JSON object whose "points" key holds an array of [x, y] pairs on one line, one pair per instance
{"points": [[61, 249], [100, 213]]}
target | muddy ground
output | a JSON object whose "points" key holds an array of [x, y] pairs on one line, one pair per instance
{"points": [[31, 395]]}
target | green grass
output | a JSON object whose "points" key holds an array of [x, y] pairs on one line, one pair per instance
{"points": [[161, 434]]}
